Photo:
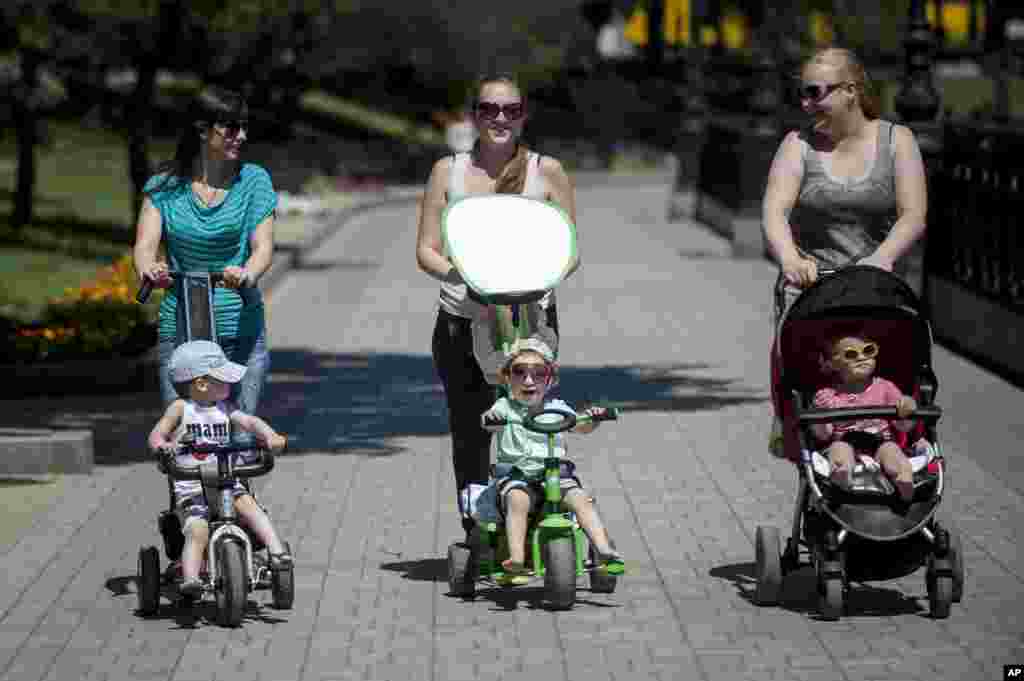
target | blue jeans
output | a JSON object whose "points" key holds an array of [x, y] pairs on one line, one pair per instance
{"points": [[251, 352]]}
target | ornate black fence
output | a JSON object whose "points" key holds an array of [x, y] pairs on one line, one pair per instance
{"points": [[974, 255]]}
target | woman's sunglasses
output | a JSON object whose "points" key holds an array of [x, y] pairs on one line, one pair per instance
{"points": [[816, 91], [490, 110], [538, 373], [232, 128], [867, 351]]}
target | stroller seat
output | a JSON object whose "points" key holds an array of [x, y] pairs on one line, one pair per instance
{"points": [[868, 476]]}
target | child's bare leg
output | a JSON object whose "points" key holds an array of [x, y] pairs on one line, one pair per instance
{"points": [[580, 503], [517, 503], [257, 521], [897, 466], [197, 534], [842, 457]]}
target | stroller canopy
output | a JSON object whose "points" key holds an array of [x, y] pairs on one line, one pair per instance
{"points": [[860, 299]]}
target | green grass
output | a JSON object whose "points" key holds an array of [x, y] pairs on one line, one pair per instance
{"points": [[370, 119], [82, 215], [28, 278]]}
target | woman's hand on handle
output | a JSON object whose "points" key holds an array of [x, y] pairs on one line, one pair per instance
{"points": [[235, 277], [800, 271]]}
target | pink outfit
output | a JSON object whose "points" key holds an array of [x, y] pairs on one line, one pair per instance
{"points": [[881, 393]]}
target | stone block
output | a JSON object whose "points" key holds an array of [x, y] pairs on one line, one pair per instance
{"points": [[41, 451]]}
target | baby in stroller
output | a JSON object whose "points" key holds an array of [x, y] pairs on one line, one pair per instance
{"points": [[850, 358]]}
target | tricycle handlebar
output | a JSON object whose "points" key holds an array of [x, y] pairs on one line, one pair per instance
{"points": [[541, 421], [246, 470]]}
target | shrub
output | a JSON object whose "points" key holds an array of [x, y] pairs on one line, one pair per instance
{"points": [[99, 319]]}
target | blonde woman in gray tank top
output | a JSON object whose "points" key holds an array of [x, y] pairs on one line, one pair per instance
{"points": [[850, 188], [499, 163]]}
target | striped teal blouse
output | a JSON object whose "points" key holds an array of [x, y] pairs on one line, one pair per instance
{"points": [[202, 239]]}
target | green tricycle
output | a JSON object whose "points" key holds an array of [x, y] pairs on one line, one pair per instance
{"points": [[557, 548]]}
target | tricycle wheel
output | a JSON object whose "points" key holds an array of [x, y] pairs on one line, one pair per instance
{"points": [[831, 599], [282, 584], [600, 582], [461, 570], [148, 585], [560, 573], [231, 592], [956, 557], [769, 566]]}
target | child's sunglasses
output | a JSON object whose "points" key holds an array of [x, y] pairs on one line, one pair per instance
{"points": [[817, 92], [867, 351], [490, 110], [538, 373]]}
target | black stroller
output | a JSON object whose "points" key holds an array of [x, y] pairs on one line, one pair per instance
{"points": [[861, 533]]}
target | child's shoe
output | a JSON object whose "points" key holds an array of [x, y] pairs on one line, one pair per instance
{"points": [[610, 561], [514, 574]]}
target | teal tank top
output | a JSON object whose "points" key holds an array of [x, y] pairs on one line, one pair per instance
{"points": [[207, 239]]}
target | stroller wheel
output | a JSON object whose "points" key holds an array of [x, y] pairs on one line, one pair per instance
{"points": [[769, 566], [831, 600]]}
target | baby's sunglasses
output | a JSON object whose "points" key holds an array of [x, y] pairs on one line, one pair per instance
{"points": [[867, 351], [491, 110], [538, 372]]}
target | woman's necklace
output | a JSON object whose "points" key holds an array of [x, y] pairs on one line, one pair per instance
{"points": [[207, 195]]}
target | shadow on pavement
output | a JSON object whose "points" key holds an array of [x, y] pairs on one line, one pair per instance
{"points": [[423, 570], [188, 616], [799, 593], [362, 403]]}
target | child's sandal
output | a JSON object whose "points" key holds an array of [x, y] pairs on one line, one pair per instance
{"points": [[514, 574]]}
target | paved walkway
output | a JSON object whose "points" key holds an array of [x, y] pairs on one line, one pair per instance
{"points": [[657, 320]]}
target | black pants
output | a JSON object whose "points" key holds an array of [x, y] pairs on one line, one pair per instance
{"points": [[468, 394]]}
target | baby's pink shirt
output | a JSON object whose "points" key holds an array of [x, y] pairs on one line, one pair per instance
{"points": [[881, 393]]}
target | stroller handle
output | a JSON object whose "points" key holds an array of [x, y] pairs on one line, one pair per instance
{"points": [[147, 284], [248, 470], [928, 414]]}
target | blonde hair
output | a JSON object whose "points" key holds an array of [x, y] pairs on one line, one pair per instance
{"points": [[512, 179], [853, 70]]}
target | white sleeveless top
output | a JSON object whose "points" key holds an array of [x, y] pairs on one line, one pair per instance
{"points": [[453, 298], [209, 425]]}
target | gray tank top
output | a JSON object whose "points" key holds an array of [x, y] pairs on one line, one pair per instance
{"points": [[838, 222], [453, 298]]}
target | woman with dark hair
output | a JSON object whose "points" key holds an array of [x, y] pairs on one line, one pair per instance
{"points": [[499, 163], [213, 213]]}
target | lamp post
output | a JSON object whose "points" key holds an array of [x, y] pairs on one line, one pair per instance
{"points": [[918, 100]]}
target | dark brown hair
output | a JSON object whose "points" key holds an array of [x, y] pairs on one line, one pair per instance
{"points": [[512, 178]]}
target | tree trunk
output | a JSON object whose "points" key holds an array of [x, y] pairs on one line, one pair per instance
{"points": [[139, 130], [24, 111]]}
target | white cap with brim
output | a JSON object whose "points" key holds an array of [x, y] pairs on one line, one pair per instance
{"points": [[530, 345], [203, 358]]}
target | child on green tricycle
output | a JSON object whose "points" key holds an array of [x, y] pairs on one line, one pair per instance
{"points": [[529, 372]]}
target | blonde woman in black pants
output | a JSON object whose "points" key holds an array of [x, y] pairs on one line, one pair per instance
{"points": [[497, 164]]}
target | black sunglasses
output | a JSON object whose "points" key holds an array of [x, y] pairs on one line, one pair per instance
{"points": [[816, 92], [490, 110], [232, 128]]}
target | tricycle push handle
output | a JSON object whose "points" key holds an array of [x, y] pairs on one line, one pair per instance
{"points": [[146, 288]]}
